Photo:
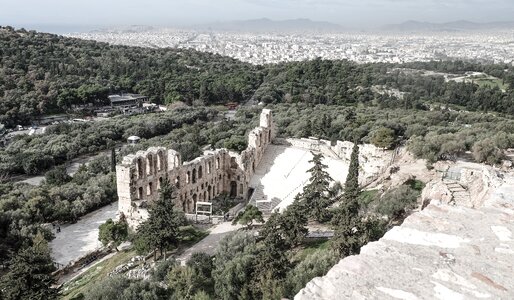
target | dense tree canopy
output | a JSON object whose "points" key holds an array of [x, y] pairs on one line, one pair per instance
{"points": [[43, 73], [28, 274]]}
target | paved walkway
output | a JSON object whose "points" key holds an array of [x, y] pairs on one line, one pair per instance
{"points": [[209, 243], [76, 240]]}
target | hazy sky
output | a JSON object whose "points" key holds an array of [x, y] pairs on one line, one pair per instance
{"points": [[354, 13]]}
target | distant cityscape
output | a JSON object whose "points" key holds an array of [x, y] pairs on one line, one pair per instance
{"points": [[263, 48]]}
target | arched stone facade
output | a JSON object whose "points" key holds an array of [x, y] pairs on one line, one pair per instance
{"points": [[140, 175]]}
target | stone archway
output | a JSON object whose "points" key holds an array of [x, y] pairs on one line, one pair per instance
{"points": [[195, 199], [233, 189]]}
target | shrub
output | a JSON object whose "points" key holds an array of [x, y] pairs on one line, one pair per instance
{"points": [[396, 202]]}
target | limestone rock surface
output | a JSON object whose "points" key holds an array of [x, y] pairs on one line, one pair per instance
{"points": [[442, 252]]}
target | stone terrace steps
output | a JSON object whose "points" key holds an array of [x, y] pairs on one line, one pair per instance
{"points": [[461, 196]]}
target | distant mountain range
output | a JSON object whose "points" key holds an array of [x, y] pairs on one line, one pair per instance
{"points": [[307, 25], [415, 26], [268, 25]]}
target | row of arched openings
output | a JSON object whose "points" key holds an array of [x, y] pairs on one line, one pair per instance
{"points": [[154, 163]]}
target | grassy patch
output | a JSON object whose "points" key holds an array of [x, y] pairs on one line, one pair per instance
{"points": [[191, 235], [94, 275], [415, 184], [490, 82], [366, 197], [309, 247]]}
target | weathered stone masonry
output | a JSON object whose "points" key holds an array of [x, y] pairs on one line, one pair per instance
{"points": [[140, 175]]}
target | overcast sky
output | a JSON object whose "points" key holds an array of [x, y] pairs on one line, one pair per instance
{"points": [[352, 13]]}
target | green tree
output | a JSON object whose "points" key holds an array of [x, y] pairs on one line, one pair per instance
{"points": [[202, 264], [162, 228], [248, 216], [347, 235], [269, 287], [113, 160], [383, 137], [162, 268], [113, 232], [316, 194], [485, 151], [348, 224], [294, 224], [57, 176], [29, 273], [234, 264], [185, 282], [351, 186], [272, 256], [314, 265], [396, 202]]}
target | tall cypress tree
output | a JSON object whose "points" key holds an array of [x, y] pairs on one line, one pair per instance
{"points": [[351, 187], [348, 234], [273, 256], [113, 159]]}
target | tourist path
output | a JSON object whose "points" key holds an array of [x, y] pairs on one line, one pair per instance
{"points": [[78, 239], [209, 243]]}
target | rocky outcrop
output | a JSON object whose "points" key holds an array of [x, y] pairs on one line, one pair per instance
{"points": [[442, 252], [436, 189], [462, 184]]}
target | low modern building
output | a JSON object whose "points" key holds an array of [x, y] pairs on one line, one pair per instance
{"points": [[126, 101], [133, 140]]}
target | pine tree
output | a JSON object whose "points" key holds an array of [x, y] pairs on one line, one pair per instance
{"points": [[248, 216], [316, 194], [272, 259], [294, 223], [273, 256], [161, 229], [29, 273]]}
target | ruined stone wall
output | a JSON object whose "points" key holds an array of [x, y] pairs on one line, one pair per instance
{"points": [[372, 160], [140, 175]]}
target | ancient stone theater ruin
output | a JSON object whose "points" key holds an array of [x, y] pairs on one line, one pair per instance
{"points": [[268, 174], [140, 175]]}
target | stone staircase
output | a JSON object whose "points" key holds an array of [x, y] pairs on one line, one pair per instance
{"points": [[460, 195], [259, 200], [265, 205]]}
